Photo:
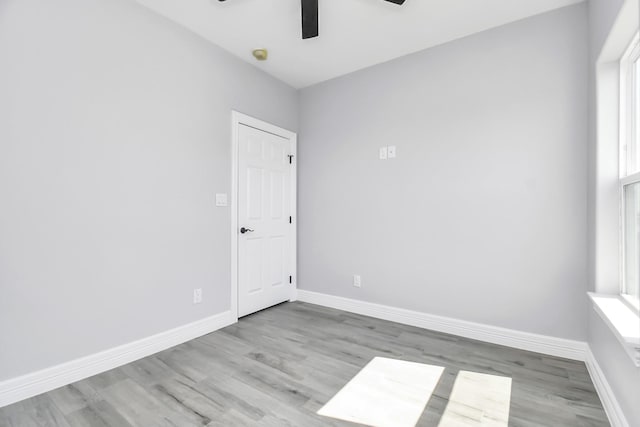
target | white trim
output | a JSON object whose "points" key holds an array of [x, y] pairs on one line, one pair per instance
{"points": [[622, 320], [237, 119], [29, 385], [609, 157], [608, 399], [628, 149], [632, 302], [630, 179], [628, 105], [293, 209], [553, 346]]}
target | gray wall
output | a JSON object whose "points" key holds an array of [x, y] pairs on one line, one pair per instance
{"points": [[622, 375], [114, 138], [482, 215]]}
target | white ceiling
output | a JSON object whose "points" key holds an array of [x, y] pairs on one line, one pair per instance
{"points": [[354, 34]]}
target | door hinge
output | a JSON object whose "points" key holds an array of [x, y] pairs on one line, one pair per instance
{"points": [[290, 279], [290, 158], [290, 220]]}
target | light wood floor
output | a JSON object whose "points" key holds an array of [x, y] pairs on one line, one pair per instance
{"points": [[279, 366]]}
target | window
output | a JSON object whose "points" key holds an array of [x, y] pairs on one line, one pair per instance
{"points": [[630, 171]]}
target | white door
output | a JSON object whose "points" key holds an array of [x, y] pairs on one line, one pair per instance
{"points": [[265, 227]]}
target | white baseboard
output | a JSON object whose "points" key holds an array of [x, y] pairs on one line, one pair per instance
{"points": [[609, 401], [569, 349], [23, 387], [32, 384]]}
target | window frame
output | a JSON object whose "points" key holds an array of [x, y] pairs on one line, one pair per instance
{"points": [[629, 148]]}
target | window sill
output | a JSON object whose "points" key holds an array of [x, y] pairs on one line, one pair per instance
{"points": [[623, 321]]}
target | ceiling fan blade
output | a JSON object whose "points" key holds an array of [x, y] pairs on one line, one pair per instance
{"points": [[310, 18], [396, 1]]}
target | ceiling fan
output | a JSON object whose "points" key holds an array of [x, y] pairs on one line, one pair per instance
{"points": [[310, 17]]}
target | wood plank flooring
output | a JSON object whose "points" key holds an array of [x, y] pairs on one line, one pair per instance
{"points": [[281, 365]]}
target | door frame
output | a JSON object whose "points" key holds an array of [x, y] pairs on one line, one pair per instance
{"points": [[238, 119]]}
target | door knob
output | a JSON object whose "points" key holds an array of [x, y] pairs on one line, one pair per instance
{"points": [[245, 230]]}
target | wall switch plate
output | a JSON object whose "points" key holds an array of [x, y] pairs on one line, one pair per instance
{"points": [[221, 199], [391, 152], [357, 282], [197, 296], [383, 153]]}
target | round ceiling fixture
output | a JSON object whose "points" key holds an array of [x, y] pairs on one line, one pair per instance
{"points": [[261, 54]]}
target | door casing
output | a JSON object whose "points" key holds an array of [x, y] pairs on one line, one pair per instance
{"points": [[238, 119]]}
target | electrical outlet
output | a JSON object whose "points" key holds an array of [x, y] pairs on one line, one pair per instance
{"points": [[197, 296], [357, 281], [383, 153]]}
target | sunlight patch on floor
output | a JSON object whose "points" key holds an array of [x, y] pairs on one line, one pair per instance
{"points": [[394, 393], [478, 400], [386, 392]]}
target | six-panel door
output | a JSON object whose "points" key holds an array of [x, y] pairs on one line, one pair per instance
{"points": [[264, 196]]}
